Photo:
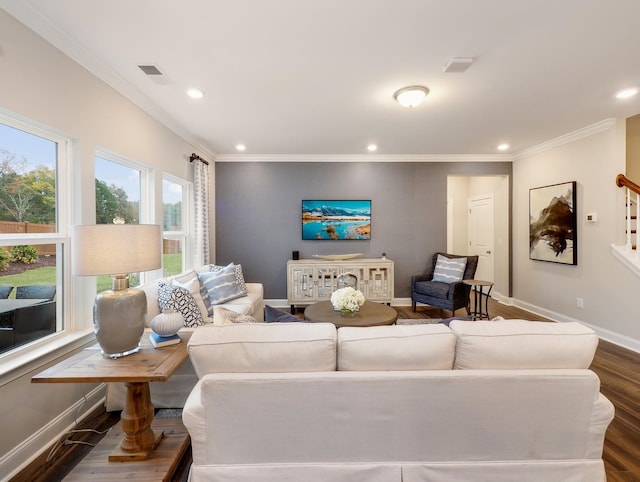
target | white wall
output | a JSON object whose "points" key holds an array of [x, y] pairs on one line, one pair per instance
{"points": [[41, 84], [593, 158]]}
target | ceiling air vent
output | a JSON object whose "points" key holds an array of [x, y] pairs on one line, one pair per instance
{"points": [[154, 73]]}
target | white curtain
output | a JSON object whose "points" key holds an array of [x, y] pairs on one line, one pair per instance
{"points": [[201, 211]]}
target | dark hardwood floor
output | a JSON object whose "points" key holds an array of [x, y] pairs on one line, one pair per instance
{"points": [[617, 368]]}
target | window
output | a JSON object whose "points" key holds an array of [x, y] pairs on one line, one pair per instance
{"points": [[120, 193], [34, 225], [175, 224]]}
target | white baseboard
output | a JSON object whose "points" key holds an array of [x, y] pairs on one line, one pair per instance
{"points": [[22, 455], [608, 335]]}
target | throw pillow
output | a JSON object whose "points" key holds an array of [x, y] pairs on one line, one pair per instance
{"points": [[224, 316], [171, 296], [273, 315], [221, 285], [193, 286], [238, 274], [449, 270]]}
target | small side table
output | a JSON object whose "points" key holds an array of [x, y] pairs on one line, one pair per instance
{"points": [[478, 286], [137, 371]]}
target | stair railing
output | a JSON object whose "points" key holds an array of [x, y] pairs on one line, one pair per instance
{"points": [[632, 193]]}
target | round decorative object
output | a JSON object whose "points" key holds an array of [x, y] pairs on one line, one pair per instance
{"points": [[167, 323]]}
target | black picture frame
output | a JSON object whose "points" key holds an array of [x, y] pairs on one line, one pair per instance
{"points": [[553, 234]]}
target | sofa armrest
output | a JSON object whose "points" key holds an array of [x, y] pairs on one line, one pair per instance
{"points": [[459, 291]]}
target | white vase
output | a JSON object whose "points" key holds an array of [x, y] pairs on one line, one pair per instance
{"points": [[167, 323]]}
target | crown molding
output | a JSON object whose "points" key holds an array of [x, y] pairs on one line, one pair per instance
{"points": [[363, 158], [566, 139]]}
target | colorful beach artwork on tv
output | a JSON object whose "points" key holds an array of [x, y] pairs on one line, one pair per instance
{"points": [[336, 220]]}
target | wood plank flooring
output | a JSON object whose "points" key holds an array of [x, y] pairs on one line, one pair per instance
{"points": [[618, 369]]}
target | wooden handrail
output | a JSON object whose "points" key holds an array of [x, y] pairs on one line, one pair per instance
{"points": [[624, 181]]}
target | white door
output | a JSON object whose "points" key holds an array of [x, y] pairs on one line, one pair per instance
{"points": [[481, 234]]}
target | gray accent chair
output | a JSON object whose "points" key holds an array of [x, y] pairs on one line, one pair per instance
{"points": [[45, 292], [5, 291], [443, 295]]}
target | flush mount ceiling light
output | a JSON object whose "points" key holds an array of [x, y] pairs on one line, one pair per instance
{"points": [[626, 93], [411, 96], [372, 148], [195, 93]]}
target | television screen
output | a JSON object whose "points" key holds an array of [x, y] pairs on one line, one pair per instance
{"points": [[336, 220]]}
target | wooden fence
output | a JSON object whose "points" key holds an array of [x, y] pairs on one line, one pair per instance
{"points": [[13, 227]]}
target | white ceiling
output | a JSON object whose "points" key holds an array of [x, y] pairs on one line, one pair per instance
{"points": [[316, 77]]}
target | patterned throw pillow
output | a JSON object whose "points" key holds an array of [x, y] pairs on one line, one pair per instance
{"points": [[238, 274], [221, 285], [171, 296], [449, 270], [223, 316], [193, 287]]}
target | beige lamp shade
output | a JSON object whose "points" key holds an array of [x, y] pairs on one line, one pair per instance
{"points": [[111, 249]]}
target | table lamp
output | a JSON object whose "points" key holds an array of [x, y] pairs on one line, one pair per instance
{"points": [[117, 250]]}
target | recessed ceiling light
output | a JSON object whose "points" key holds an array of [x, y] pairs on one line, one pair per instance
{"points": [[503, 147], [372, 148], [626, 93], [195, 93], [240, 147], [411, 96]]}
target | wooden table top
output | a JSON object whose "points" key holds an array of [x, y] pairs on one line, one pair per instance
{"points": [[370, 314], [90, 366]]}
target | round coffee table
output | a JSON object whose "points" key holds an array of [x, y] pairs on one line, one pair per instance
{"points": [[370, 314]]}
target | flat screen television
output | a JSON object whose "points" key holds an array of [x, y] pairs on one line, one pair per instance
{"points": [[331, 220]]}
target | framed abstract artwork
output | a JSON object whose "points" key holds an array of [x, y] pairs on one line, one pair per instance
{"points": [[552, 223], [336, 219]]}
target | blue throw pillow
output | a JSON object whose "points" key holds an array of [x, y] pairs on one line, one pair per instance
{"points": [[221, 285], [273, 315], [449, 270]]}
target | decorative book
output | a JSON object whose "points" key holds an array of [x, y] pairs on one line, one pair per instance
{"points": [[158, 341]]}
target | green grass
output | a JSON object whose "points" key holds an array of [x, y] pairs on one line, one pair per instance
{"points": [[172, 264], [38, 276]]}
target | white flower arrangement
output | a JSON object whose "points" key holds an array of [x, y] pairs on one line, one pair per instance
{"points": [[347, 300]]}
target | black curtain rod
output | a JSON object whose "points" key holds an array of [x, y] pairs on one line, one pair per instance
{"points": [[194, 156]]}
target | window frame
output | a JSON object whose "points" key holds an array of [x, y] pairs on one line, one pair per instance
{"points": [[186, 233], [147, 197], [69, 328]]}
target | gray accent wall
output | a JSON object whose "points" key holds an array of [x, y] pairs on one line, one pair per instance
{"points": [[258, 213]]}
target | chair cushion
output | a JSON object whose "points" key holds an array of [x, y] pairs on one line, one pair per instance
{"points": [[449, 270], [436, 289]]}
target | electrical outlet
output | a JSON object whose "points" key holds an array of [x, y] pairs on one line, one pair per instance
{"points": [[580, 303]]}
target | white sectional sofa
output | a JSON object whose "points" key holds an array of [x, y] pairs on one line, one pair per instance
{"points": [[476, 401], [173, 393]]}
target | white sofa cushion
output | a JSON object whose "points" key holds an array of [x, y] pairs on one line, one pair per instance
{"points": [[521, 344], [396, 347], [263, 347]]}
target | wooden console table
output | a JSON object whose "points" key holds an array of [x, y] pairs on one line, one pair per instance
{"points": [[137, 371]]}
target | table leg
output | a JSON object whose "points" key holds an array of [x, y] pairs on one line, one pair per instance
{"points": [[139, 439]]}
